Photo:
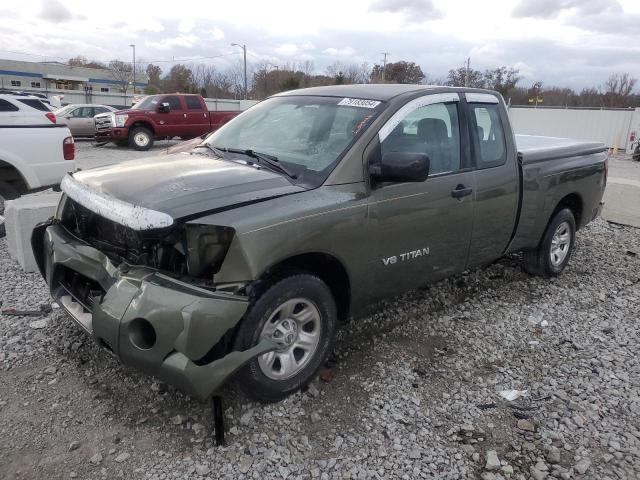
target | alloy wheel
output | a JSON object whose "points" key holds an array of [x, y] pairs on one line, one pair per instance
{"points": [[560, 243], [295, 326]]}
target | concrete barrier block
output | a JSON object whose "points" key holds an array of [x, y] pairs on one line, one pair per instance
{"points": [[21, 215]]}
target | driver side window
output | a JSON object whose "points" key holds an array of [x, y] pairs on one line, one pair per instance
{"points": [[430, 129]]}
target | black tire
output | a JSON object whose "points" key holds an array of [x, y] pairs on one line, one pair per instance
{"points": [[141, 139], [315, 293], [541, 262], [7, 192]]}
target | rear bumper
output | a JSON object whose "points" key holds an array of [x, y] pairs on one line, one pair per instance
{"points": [[150, 321]]}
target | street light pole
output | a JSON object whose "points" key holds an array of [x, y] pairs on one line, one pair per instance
{"points": [[134, 69], [244, 52]]}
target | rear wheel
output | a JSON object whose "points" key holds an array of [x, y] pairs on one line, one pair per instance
{"points": [[141, 139], [298, 313], [7, 192], [556, 247]]}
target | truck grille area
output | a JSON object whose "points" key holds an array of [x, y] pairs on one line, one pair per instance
{"points": [[103, 122], [162, 250], [85, 291]]}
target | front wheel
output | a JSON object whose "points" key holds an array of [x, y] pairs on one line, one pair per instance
{"points": [[298, 313], [141, 139], [556, 246]]}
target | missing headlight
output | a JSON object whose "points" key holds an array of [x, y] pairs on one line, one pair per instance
{"points": [[206, 248]]}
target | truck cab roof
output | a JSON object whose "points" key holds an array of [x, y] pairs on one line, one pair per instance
{"points": [[378, 91]]}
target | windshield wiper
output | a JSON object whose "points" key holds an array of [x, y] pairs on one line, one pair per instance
{"points": [[217, 151], [264, 158]]}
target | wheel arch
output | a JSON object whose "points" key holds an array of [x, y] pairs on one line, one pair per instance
{"points": [[12, 175], [142, 123], [324, 265], [573, 202]]}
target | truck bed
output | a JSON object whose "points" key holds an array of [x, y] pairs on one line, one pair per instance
{"points": [[533, 148], [553, 169]]}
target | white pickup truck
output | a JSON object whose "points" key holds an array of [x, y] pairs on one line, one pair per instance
{"points": [[35, 151]]}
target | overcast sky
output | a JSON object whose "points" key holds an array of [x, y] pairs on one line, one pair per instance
{"points": [[573, 43]]}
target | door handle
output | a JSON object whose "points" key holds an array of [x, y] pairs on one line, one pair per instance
{"points": [[185, 115], [461, 191]]}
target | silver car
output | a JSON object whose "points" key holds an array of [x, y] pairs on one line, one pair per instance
{"points": [[79, 117]]}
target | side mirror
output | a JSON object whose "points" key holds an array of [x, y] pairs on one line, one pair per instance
{"points": [[401, 167], [164, 107]]}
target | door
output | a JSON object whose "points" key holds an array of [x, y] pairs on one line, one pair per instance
{"points": [[80, 121], [197, 116], [421, 231], [171, 123], [496, 178]]}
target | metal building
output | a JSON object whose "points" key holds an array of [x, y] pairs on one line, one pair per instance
{"points": [[76, 84]]}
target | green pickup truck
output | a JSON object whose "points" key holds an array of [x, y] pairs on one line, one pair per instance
{"points": [[243, 254]]}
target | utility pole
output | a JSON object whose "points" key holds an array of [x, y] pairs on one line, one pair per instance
{"points": [[244, 51], [384, 63], [134, 70], [466, 76]]}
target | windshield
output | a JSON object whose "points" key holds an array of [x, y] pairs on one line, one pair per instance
{"points": [[307, 134], [147, 103]]}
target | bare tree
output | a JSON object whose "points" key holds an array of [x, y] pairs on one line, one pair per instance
{"points": [[122, 72], [307, 69], [153, 73], [349, 73], [81, 61], [617, 90]]}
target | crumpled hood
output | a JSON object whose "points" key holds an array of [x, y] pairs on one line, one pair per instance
{"points": [[184, 185]]}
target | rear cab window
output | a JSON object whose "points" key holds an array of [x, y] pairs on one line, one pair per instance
{"points": [[488, 134], [193, 102]]}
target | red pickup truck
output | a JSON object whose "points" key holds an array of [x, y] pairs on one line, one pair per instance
{"points": [[159, 116]]}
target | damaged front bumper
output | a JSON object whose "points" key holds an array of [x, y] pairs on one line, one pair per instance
{"points": [[162, 326]]}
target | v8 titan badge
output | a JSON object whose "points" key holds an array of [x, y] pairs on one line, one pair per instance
{"points": [[403, 257]]}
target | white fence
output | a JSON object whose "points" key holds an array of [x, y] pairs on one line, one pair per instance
{"points": [[214, 104], [117, 99], [616, 128]]}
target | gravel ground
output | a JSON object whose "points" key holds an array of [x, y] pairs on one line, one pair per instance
{"points": [[415, 393]]}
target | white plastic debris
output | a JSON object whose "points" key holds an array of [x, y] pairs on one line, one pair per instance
{"points": [[511, 395], [536, 318]]}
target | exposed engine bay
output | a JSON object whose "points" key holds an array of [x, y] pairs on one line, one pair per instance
{"points": [[179, 250]]}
